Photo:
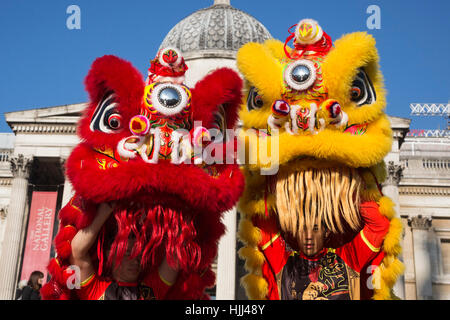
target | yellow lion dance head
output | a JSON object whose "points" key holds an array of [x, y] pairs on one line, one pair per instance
{"points": [[315, 113]]}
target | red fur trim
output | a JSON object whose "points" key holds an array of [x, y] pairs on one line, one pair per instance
{"points": [[183, 203], [111, 73], [223, 86], [54, 291], [68, 215], [163, 183], [55, 270], [63, 239]]}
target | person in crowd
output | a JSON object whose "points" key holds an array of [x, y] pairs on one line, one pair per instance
{"points": [[32, 290]]}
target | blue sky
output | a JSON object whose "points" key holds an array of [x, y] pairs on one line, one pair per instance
{"points": [[43, 63]]}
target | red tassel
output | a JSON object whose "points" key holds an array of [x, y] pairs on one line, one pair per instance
{"points": [[291, 36]]}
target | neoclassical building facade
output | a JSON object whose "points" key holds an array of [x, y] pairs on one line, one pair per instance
{"points": [[32, 162]]}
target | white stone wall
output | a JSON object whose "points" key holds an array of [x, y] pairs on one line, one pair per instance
{"points": [[198, 68]]}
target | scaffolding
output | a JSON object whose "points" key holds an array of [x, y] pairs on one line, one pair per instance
{"points": [[430, 109]]}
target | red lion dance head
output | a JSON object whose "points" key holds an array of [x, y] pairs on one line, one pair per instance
{"points": [[143, 147]]}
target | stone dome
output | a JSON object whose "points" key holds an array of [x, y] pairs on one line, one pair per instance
{"points": [[216, 31]]}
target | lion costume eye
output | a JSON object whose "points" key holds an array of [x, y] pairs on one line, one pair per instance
{"points": [[300, 75], [362, 91], [169, 99], [254, 100], [106, 118], [115, 121]]}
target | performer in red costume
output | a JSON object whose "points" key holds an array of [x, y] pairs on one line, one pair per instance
{"points": [[316, 272], [142, 146], [126, 282]]}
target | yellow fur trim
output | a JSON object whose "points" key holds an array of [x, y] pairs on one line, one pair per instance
{"points": [[255, 286], [359, 49], [262, 66], [257, 206], [385, 277], [352, 150], [372, 194], [276, 47], [387, 208], [391, 267], [249, 56], [391, 243], [248, 233], [254, 259], [379, 170]]}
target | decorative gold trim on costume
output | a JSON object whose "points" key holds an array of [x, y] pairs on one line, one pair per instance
{"points": [[167, 283], [86, 282], [371, 247], [74, 206], [275, 237]]}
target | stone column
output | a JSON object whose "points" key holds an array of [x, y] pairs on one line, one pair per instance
{"points": [[422, 265], [226, 260], [3, 215], [390, 186], [68, 189], [20, 167], [390, 189]]}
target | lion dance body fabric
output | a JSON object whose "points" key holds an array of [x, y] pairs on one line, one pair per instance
{"points": [[315, 135], [141, 148]]}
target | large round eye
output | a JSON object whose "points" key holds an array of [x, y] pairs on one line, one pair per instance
{"points": [[362, 91], [106, 118], [254, 100], [300, 75], [115, 121], [169, 99]]}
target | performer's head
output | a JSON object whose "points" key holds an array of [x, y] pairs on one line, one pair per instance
{"points": [[312, 240], [128, 269], [313, 203]]}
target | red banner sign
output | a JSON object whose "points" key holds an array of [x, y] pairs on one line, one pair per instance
{"points": [[39, 234]]}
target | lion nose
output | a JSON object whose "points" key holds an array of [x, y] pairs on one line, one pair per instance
{"points": [[139, 125]]}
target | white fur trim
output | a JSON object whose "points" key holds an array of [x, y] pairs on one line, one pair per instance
{"points": [[312, 117], [316, 36], [300, 86], [181, 144], [176, 63], [128, 150], [156, 145], [164, 110], [175, 80]]}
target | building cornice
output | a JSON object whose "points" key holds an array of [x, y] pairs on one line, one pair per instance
{"points": [[424, 190], [43, 128]]}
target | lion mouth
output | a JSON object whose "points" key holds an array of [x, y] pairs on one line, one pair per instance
{"points": [[297, 119], [156, 145]]}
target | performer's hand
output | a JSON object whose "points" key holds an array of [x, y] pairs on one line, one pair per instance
{"points": [[85, 238], [168, 273]]}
